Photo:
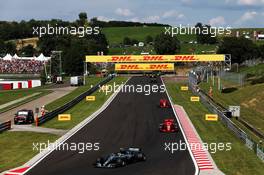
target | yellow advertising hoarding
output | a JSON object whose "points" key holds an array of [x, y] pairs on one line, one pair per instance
{"points": [[64, 117], [90, 98], [153, 58], [184, 88], [144, 67], [211, 117], [195, 98]]}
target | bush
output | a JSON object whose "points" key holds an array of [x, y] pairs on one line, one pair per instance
{"points": [[258, 80]]}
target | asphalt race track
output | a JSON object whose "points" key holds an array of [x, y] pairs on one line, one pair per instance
{"points": [[131, 120]]}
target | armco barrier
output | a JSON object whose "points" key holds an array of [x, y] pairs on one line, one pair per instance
{"points": [[215, 108], [70, 104], [5, 126]]}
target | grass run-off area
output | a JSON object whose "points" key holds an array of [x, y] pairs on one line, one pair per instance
{"points": [[257, 70], [11, 95], [239, 160], [83, 109], [250, 98], [75, 93], [17, 147]]}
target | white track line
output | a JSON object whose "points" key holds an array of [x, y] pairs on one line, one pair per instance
{"points": [[185, 138], [77, 128]]}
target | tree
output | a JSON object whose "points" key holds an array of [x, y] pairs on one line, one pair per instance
{"points": [[204, 35], [261, 51], [2, 47], [134, 41], [127, 41], [165, 44], [148, 39], [83, 18], [241, 49], [28, 51], [74, 55], [10, 47]]}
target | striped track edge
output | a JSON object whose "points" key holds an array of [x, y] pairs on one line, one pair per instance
{"points": [[200, 155], [18, 171]]}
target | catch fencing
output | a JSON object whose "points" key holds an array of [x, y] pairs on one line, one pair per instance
{"points": [[217, 109], [72, 103]]}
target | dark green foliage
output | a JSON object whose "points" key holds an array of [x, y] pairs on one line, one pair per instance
{"points": [[165, 44]]}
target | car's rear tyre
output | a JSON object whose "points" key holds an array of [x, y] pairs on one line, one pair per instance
{"points": [[121, 163]]}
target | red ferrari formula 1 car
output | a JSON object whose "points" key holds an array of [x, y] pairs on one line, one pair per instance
{"points": [[168, 125], [164, 103]]}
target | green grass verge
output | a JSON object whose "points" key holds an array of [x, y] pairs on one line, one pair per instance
{"points": [[115, 35], [17, 147], [11, 95], [240, 160], [81, 89], [8, 96], [250, 98], [198, 48], [83, 109], [257, 70], [132, 50]]}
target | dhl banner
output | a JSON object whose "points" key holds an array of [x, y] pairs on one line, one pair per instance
{"points": [[144, 67], [154, 58]]}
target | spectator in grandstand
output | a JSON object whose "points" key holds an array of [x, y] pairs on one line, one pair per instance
{"points": [[18, 66]]}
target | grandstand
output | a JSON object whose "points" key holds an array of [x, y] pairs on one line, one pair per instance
{"points": [[22, 65]]}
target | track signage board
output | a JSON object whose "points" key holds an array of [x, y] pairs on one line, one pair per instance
{"points": [[195, 99], [144, 67], [153, 58], [235, 111], [211, 117], [184, 88], [90, 98], [64, 117]]}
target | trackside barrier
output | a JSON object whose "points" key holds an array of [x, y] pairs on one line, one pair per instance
{"points": [[217, 109], [70, 104], [5, 126]]}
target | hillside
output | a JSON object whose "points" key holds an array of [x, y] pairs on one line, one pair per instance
{"points": [[115, 36]]}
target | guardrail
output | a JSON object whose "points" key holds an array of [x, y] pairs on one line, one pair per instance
{"points": [[5, 126], [70, 104], [215, 108]]}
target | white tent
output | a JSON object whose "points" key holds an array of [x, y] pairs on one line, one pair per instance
{"points": [[16, 57], [8, 57], [41, 57], [27, 58]]}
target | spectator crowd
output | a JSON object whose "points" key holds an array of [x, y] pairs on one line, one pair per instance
{"points": [[18, 66]]}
